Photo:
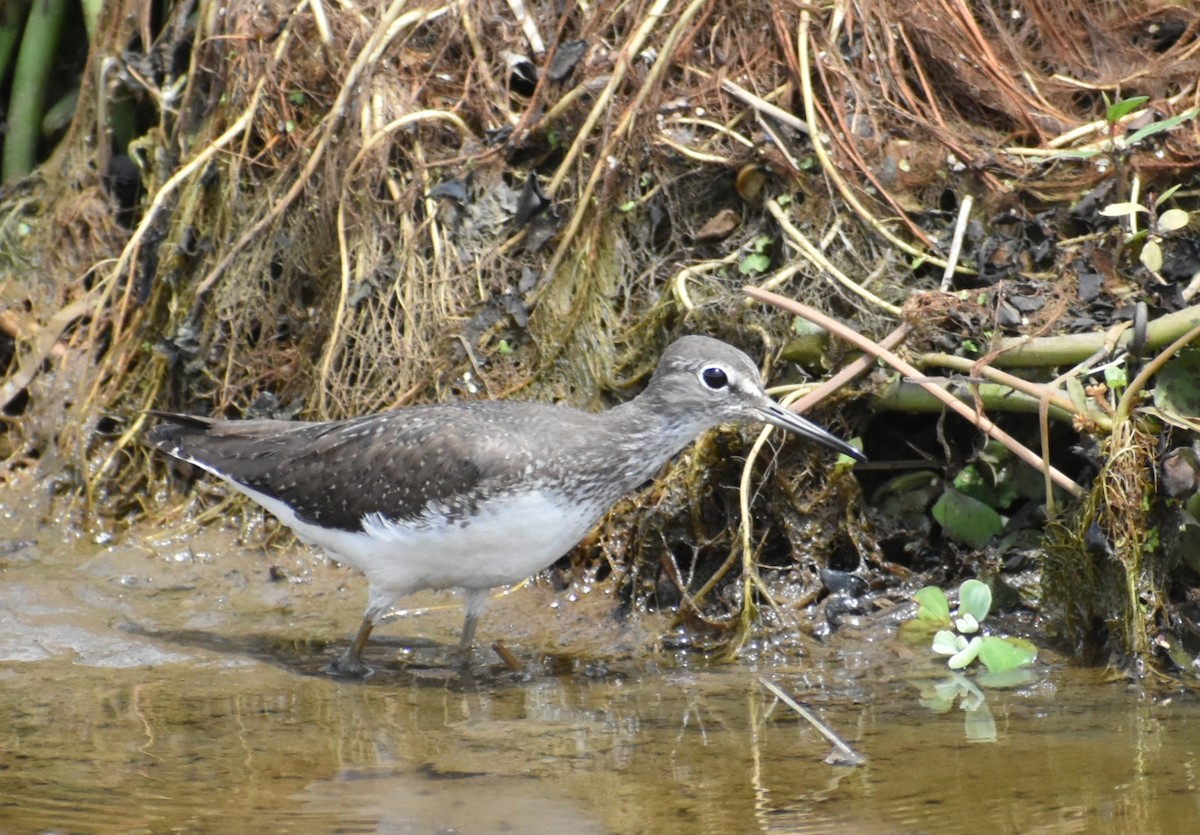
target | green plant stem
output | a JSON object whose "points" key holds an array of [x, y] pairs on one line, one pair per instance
{"points": [[900, 396], [1065, 407], [1021, 352], [39, 45], [91, 16], [1130, 397], [10, 33]]}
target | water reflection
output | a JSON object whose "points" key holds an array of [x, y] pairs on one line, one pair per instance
{"points": [[190, 700]]}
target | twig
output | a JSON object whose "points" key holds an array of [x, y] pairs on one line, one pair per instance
{"points": [[979, 420], [964, 216], [842, 753], [861, 365], [763, 106], [1038, 390]]}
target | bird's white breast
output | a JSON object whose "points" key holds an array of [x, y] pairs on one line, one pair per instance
{"points": [[508, 540]]}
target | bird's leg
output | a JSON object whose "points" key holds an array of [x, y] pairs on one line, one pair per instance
{"points": [[474, 601], [349, 663]]}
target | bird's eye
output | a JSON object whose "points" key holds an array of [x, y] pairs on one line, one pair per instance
{"points": [[714, 378]]}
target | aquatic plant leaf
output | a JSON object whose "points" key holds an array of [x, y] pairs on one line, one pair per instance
{"points": [[933, 608], [975, 599], [1002, 654], [966, 520], [980, 725], [966, 655], [946, 642]]}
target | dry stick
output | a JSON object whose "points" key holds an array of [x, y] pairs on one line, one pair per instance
{"points": [[763, 106], [845, 754], [981, 421], [964, 215], [848, 372], [1038, 390]]}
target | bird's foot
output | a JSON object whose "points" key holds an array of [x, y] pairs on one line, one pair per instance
{"points": [[348, 666]]}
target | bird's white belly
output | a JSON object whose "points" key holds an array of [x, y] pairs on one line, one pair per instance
{"points": [[509, 540]]}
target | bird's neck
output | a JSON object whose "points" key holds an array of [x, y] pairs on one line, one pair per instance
{"points": [[647, 433]]}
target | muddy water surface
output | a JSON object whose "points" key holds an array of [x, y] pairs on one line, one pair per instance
{"points": [[172, 682]]}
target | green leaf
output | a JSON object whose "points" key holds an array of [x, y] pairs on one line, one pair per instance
{"points": [[1123, 209], [1115, 377], [946, 642], [974, 599], [1002, 654], [1166, 195], [755, 262], [1123, 108], [966, 655], [1165, 125], [934, 608], [1151, 256], [966, 520], [1177, 389], [1084, 154], [1172, 219]]}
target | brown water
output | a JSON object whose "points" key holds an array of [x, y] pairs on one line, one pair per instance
{"points": [[166, 682]]}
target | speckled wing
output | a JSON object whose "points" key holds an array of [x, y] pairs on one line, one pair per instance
{"points": [[399, 464]]}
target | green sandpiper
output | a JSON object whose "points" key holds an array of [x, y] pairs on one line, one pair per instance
{"points": [[472, 495]]}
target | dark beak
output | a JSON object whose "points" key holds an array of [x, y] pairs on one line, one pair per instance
{"points": [[776, 415]]}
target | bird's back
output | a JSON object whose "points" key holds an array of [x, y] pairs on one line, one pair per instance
{"points": [[401, 465]]}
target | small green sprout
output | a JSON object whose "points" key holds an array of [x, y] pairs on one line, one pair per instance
{"points": [[758, 260]]}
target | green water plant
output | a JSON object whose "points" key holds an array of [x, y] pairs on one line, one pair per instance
{"points": [[959, 635]]}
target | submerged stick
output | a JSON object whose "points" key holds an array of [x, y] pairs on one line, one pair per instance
{"points": [[842, 753]]}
